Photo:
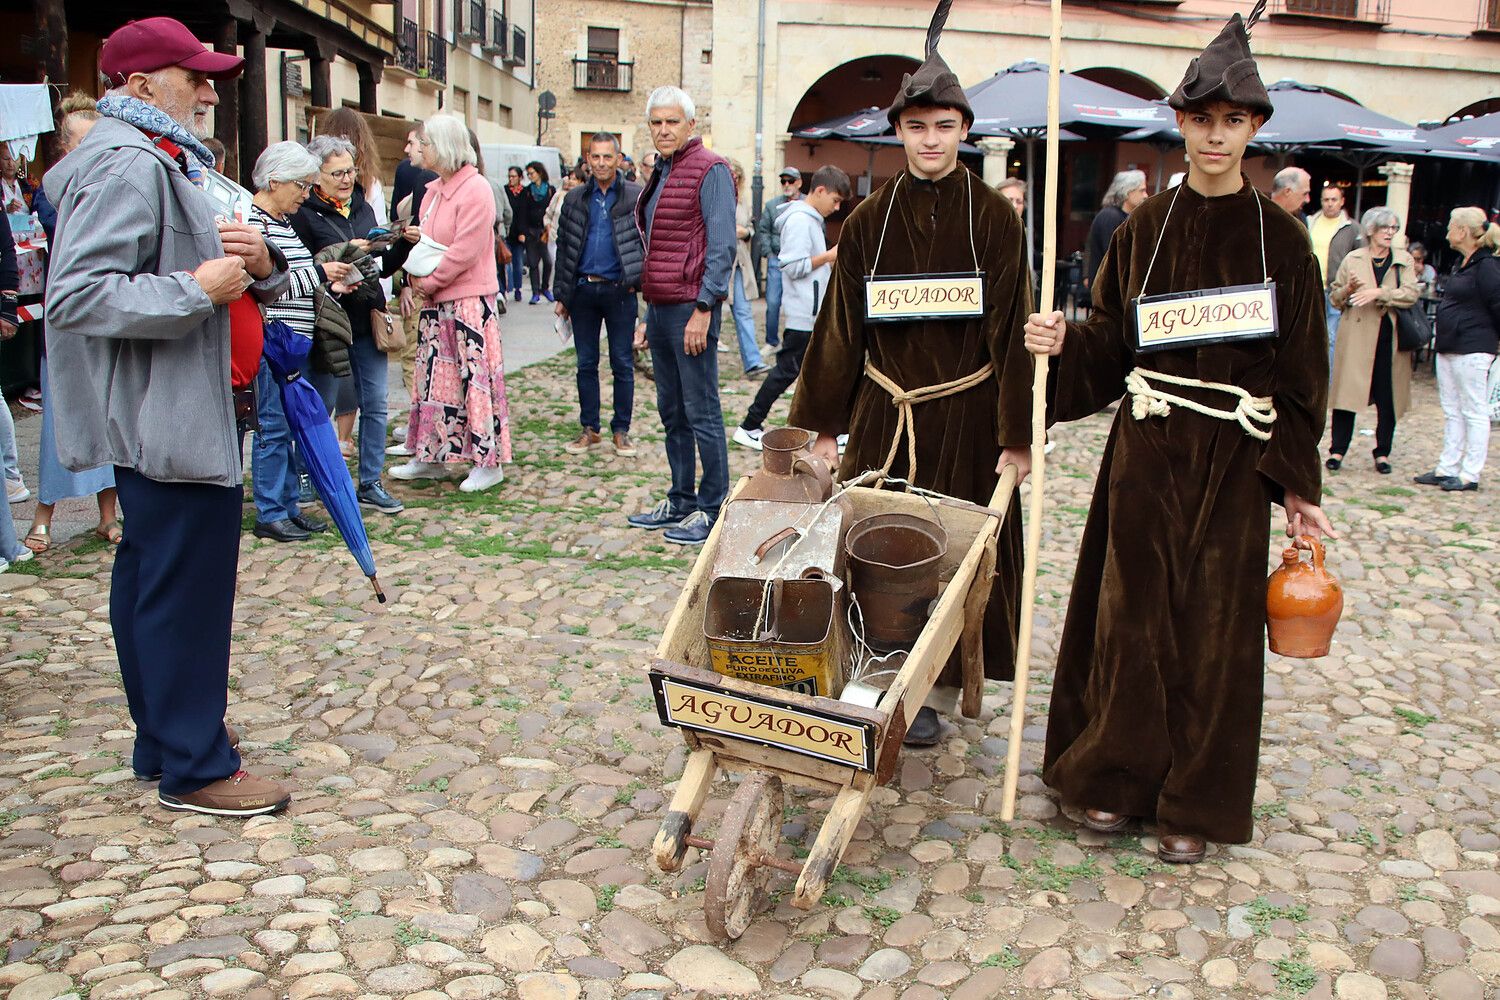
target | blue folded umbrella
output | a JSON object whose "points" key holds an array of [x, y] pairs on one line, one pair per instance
{"points": [[286, 356]]}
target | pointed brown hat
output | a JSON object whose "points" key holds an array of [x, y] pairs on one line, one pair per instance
{"points": [[933, 85], [1226, 71]]}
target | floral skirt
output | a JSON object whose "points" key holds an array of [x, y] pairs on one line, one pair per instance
{"points": [[458, 411]]}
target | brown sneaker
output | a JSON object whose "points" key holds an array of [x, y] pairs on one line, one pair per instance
{"points": [[586, 441], [240, 794], [623, 445]]}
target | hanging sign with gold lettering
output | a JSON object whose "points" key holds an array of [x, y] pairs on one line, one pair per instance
{"points": [[1206, 316], [903, 298], [1202, 316], [711, 709]]}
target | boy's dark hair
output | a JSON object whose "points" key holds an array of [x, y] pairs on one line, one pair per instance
{"points": [[832, 178]]}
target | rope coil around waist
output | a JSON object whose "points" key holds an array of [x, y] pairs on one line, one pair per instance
{"points": [[1255, 414], [904, 400]]}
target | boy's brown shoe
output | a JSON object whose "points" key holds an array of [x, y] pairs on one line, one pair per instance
{"points": [[234, 744], [240, 794]]}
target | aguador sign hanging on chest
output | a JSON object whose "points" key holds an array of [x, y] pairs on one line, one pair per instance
{"points": [[1206, 316], [905, 297]]}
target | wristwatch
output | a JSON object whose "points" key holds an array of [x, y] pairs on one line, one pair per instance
{"points": [[703, 307]]}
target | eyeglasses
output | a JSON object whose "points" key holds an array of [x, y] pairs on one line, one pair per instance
{"points": [[1388, 228], [348, 173], [306, 186]]}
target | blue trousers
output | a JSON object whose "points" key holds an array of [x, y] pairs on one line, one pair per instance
{"points": [[171, 605], [371, 375], [687, 397], [516, 269], [744, 321], [273, 465], [773, 300], [1333, 328], [598, 304]]}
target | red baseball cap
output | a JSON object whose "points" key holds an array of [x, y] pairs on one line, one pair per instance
{"points": [[158, 42]]}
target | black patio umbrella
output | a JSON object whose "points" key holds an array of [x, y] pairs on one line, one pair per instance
{"points": [[1473, 138], [860, 124], [1013, 103]]}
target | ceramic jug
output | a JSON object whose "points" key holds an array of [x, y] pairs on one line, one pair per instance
{"points": [[1303, 602], [789, 470]]}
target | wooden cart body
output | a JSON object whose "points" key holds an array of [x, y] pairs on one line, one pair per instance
{"points": [[817, 743]]}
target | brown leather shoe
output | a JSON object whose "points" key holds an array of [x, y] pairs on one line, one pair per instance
{"points": [[587, 439], [1105, 822], [240, 794], [1181, 848], [624, 447]]}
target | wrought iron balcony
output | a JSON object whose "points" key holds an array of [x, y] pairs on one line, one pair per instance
{"points": [[602, 74], [1367, 13], [517, 53], [408, 40], [499, 33], [477, 21], [436, 62]]}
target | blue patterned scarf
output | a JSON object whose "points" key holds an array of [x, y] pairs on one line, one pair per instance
{"points": [[148, 118]]}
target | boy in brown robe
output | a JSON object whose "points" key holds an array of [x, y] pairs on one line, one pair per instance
{"points": [[1156, 705], [920, 223]]}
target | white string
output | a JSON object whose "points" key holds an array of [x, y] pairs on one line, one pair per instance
{"points": [[889, 205], [970, 175], [1160, 235]]}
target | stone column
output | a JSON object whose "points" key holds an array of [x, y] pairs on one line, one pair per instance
{"points": [[1398, 196], [996, 158]]}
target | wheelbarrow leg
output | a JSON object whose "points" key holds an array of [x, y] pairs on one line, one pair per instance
{"points": [[692, 789], [833, 837]]}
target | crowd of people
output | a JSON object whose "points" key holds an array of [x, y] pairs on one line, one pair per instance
{"points": [[157, 304]]}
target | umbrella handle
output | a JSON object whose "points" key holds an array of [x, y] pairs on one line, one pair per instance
{"points": [[379, 594]]}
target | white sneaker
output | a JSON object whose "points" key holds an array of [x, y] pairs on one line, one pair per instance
{"points": [[748, 439], [398, 432], [482, 479], [843, 440], [26, 555], [419, 470], [400, 451], [16, 492], [1047, 448]]}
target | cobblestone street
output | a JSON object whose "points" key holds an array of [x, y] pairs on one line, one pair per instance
{"points": [[479, 773]]}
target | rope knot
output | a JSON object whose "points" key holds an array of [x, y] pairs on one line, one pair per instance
{"points": [[1255, 414]]}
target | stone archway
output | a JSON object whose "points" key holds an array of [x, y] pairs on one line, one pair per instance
{"points": [[869, 81], [1130, 82]]}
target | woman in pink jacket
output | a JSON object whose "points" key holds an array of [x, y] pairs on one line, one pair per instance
{"points": [[458, 412]]}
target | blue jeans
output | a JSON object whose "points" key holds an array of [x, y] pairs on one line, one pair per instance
{"points": [[371, 375], [516, 269], [595, 304], [773, 300], [744, 321], [9, 456], [687, 397], [273, 468], [9, 547], [1333, 328]]}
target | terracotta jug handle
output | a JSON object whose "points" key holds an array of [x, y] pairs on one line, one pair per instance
{"points": [[819, 469], [1314, 546]]}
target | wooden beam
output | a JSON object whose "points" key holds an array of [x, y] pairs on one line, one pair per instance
{"points": [[369, 82], [255, 127], [227, 115]]}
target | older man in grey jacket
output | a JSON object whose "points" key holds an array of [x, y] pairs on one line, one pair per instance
{"points": [[138, 337]]}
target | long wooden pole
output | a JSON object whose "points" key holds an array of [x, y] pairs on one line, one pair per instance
{"points": [[1038, 427]]}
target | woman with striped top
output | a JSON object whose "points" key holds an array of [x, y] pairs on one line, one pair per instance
{"points": [[283, 176]]}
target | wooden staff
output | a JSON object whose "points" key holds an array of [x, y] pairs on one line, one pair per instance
{"points": [[1038, 427]]}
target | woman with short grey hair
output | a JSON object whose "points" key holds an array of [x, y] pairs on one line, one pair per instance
{"points": [[446, 145], [282, 176], [1372, 283], [1125, 193]]}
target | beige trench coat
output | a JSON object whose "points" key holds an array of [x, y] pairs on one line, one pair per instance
{"points": [[742, 258], [1359, 328]]}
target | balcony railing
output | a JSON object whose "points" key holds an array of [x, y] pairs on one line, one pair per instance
{"points": [[436, 62], [1371, 13], [408, 39], [602, 74], [477, 21], [517, 52], [499, 33]]}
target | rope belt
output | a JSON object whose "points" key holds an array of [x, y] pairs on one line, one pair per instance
{"points": [[904, 401], [1255, 414]]}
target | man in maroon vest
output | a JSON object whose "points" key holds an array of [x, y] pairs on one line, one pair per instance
{"points": [[686, 217]]}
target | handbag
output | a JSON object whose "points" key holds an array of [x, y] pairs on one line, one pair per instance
{"points": [[1413, 331], [390, 336], [425, 257]]}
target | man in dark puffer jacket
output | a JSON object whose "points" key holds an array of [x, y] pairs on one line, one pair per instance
{"points": [[599, 261]]}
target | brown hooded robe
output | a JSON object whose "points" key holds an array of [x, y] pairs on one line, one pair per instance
{"points": [[958, 437], [1156, 705]]}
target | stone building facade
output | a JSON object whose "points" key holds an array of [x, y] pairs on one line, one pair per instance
{"points": [[601, 58]]}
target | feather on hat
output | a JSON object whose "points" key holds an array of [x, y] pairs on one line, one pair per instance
{"points": [[1226, 71], [933, 85]]}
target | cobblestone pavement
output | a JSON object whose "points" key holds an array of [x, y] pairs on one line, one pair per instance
{"points": [[479, 775]]}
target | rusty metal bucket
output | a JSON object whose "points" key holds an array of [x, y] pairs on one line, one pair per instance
{"points": [[893, 573]]}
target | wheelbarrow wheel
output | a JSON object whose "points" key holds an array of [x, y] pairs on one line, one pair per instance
{"points": [[748, 834]]}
